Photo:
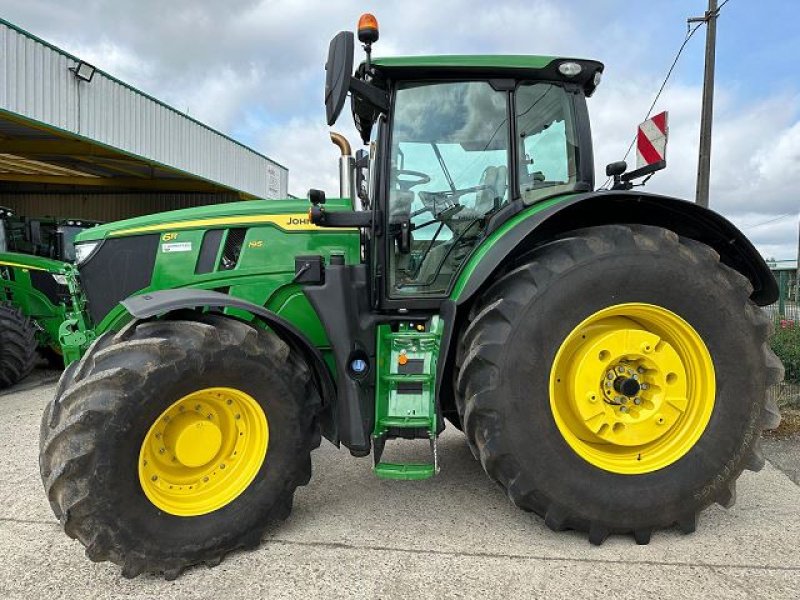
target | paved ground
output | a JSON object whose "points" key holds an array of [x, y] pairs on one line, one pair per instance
{"points": [[352, 535], [784, 453]]}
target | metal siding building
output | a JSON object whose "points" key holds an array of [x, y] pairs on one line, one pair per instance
{"points": [[104, 131]]}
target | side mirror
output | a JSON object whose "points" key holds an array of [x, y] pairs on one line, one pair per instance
{"points": [[339, 70]]}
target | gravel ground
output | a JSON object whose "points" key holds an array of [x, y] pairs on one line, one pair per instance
{"points": [[354, 536]]}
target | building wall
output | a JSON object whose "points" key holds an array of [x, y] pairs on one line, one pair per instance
{"points": [[105, 207], [36, 83]]}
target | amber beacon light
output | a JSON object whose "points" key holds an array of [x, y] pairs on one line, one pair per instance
{"points": [[368, 29]]}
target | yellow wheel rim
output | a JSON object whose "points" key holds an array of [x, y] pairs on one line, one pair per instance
{"points": [[203, 451], [632, 388]]}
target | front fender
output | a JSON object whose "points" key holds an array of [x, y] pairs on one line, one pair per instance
{"points": [[548, 219], [152, 304]]}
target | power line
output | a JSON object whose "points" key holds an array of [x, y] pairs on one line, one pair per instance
{"points": [[768, 221], [690, 31]]}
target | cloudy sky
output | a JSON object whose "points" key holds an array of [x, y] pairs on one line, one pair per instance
{"points": [[254, 69]]}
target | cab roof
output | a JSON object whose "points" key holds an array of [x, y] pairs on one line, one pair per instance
{"points": [[479, 61], [518, 66]]}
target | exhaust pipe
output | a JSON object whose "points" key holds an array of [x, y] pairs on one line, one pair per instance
{"points": [[347, 166]]}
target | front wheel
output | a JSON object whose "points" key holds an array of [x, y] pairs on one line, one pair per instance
{"points": [[615, 381], [173, 443]]}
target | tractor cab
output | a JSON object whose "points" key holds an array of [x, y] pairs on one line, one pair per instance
{"points": [[47, 237], [458, 145]]}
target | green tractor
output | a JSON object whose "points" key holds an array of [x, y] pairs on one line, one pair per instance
{"points": [[603, 351], [38, 290]]}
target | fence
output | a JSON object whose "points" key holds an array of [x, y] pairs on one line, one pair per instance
{"points": [[788, 305]]}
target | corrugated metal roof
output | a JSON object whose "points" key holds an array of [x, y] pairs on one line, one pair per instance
{"points": [[36, 83]]}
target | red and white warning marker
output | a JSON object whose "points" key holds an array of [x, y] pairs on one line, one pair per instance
{"points": [[651, 142]]}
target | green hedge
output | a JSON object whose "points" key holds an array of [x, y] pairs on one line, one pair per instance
{"points": [[786, 344]]}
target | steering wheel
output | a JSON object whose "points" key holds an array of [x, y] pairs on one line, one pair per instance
{"points": [[421, 179]]}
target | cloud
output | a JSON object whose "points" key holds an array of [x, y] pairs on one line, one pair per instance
{"points": [[305, 145], [755, 166], [254, 68]]}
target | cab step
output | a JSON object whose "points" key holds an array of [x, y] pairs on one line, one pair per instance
{"points": [[408, 471], [405, 402]]}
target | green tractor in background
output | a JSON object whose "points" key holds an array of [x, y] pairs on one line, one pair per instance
{"points": [[603, 351], [38, 290]]}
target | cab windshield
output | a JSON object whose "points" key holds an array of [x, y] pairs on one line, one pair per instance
{"points": [[450, 159]]}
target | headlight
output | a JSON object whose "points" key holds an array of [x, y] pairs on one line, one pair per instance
{"points": [[83, 251], [60, 279], [570, 69]]}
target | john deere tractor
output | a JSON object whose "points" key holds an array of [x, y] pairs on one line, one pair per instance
{"points": [[603, 351], [38, 290]]}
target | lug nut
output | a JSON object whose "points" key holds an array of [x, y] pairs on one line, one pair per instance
{"points": [[640, 370], [620, 369], [644, 386], [623, 409], [637, 401]]}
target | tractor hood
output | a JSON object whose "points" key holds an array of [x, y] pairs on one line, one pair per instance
{"points": [[32, 263], [241, 213]]}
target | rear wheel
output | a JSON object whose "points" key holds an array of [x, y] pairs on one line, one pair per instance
{"points": [[173, 443], [17, 345], [615, 381]]}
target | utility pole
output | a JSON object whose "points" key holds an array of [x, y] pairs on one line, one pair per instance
{"points": [[797, 276], [704, 161]]}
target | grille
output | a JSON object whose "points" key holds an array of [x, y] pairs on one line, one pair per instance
{"points": [[233, 248], [120, 267]]}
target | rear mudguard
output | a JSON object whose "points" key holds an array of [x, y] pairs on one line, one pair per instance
{"points": [[152, 304], [530, 227]]}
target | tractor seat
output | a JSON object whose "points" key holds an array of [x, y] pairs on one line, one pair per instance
{"points": [[496, 181]]}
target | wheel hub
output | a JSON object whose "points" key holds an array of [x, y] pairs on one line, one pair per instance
{"points": [[632, 388], [627, 386], [203, 451], [197, 442]]}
